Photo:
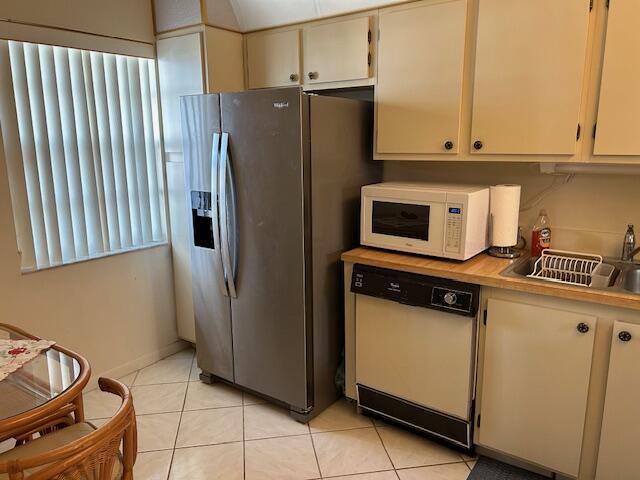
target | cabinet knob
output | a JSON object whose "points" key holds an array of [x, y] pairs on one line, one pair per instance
{"points": [[293, 77], [448, 145], [477, 144], [312, 75], [624, 336], [582, 327], [450, 298]]}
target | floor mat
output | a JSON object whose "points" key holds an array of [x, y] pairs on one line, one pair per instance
{"points": [[490, 469]]}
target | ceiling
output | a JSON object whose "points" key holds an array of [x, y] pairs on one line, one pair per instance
{"points": [[248, 15]]}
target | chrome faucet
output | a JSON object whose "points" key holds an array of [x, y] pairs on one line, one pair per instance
{"points": [[629, 249]]}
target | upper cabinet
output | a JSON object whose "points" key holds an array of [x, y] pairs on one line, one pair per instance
{"points": [[420, 75], [528, 82], [619, 104], [194, 63], [180, 72], [337, 51], [223, 60], [273, 59], [490, 80]]}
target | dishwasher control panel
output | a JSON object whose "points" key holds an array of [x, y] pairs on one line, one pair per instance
{"points": [[417, 290], [452, 299]]}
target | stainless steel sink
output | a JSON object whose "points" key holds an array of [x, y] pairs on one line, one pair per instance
{"points": [[626, 278], [631, 279], [520, 268]]}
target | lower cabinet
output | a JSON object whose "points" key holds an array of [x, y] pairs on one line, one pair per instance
{"points": [[535, 379], [621, 422]]}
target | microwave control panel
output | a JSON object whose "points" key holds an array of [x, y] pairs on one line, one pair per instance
{"points": [[454, 227]]}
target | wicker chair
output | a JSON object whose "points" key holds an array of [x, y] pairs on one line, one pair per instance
{"points": [[65, 409], [80, 451]]}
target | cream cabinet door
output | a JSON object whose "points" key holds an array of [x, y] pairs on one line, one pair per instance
{"points": [[530, 61], [337, 51], [619, 104], [180, 250], [535, 378], [180, 72], [224, 60], [617, 457], [273, 59], [419, 84]]}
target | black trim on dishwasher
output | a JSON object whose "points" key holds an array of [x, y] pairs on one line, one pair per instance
{"points": [[443, 426]]}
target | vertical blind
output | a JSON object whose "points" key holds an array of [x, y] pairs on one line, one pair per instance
{"points": [[85, 153]]}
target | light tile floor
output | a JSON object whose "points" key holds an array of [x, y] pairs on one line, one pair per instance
{"points": [[190, 430]]}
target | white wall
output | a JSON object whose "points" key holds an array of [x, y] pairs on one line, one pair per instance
{"points": [[118, 311], [588, 214]]}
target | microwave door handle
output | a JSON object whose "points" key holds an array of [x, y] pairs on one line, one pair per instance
{"points": [[224, 213], [215, 214]]}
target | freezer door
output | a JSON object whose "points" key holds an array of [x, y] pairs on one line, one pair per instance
{"points": [[267, 243], [211, 304]]}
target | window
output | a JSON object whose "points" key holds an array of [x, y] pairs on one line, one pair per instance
{"points": [[81, 137]]}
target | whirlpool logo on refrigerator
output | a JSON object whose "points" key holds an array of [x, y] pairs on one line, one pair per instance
{"points": [[280, 105]]}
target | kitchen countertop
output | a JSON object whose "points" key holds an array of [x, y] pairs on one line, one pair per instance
{"points": [[485, 270]]}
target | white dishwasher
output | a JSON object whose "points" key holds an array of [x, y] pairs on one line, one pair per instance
{"points": [[416, 349]]}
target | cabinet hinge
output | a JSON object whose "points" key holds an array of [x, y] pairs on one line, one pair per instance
{"points": [[369, 36], [369, 59], [595, 125], [590, 5], [608, 2], [478, 421], [578, 132], [484, 317]]}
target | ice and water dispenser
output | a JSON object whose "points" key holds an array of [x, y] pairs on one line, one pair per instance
{"points": [[202, 217]]}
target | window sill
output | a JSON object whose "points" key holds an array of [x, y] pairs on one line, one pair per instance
{"points": [[29, 270]]}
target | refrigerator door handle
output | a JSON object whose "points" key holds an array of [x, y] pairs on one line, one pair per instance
{"points": [[223, 179], [233, 222], [215, 211]]}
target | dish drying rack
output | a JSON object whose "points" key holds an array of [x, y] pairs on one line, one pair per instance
{"points": [[572, 268]]}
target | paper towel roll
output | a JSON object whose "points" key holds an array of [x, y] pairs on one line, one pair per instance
{"points": [[505, 209]]}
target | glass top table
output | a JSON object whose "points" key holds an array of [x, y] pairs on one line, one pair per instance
{"points": [[48, 376]]}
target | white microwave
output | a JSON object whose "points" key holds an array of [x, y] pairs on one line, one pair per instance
{"points": [[441, 220]]}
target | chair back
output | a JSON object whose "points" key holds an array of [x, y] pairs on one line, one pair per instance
{"points": [[91, 457]]}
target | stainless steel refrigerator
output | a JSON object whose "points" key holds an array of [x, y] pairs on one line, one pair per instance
{"points": [[273, 183]]}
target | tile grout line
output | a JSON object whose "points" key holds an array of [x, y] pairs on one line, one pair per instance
{"points": [[385, 448], [315, 453], [359, 474], [133, 382], [244, 451], [184, 402], [340, 430], [276, 437], [430, 465]]}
